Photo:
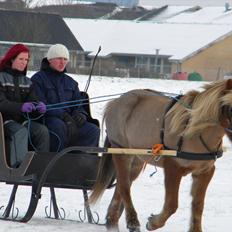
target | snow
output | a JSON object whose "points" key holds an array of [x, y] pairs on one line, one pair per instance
{"points": [[204, 15], [147, 192], [175, 40], [170, 11], [143, 2], [183, 2]]}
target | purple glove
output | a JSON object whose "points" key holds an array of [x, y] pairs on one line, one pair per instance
{"points": [[28, 107], [41, 107]]}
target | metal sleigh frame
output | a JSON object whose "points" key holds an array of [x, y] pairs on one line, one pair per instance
{"points": [[72, 168]]}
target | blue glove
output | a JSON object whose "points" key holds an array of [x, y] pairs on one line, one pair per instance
{"points": [[41, 107], [28, 107]]}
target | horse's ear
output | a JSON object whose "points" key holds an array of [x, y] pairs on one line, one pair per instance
{"points": [[229, 84]]}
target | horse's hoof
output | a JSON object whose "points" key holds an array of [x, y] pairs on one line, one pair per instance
{"points": [[113, 230], [135, 230], [154, 223], [148, 226]]}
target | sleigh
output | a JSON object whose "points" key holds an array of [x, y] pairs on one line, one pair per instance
{"points": [[72, 168]]}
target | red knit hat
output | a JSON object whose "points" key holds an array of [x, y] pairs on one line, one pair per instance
{"points": [[13, 52]]}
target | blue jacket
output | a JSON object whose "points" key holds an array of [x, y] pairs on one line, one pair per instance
{"points": [[56, 87]]}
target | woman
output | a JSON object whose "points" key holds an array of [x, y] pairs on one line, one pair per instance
{"points": [[17, 102], [68, 126]]}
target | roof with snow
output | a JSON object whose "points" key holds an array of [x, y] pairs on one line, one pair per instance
{"points": [[171, 11], [215, 15], [39, 28], [179, 41]]}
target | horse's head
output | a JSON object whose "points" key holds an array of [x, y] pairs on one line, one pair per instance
{"points": [[208, 108]]}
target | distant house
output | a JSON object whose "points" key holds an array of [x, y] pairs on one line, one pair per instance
{"points": [[125, 3], [147, 49], [38, 31], [96, 11]]}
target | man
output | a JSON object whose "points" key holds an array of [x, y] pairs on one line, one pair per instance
{"points": [[68, 126]]}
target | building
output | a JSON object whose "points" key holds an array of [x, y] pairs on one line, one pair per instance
{"points": [[153, 50], [124, 3], [38, 31]]}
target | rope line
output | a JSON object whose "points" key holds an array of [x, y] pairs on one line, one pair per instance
{"points": [[81, 102]]}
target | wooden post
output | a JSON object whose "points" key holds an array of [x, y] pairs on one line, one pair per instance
{"points": [[131, 151]]}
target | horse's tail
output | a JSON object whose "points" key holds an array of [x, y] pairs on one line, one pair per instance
{"points": [[105, 176]]}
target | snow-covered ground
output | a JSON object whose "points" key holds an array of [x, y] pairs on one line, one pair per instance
{"points": [[33, 3], [183, 2], [147, 192]]}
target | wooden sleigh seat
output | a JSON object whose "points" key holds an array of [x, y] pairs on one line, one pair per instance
{"points": [[72, 168]]}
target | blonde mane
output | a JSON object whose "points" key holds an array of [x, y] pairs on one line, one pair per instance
{"points": [[204, 109]]}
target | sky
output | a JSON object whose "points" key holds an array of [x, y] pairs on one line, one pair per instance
{"points": [[147, 192]]}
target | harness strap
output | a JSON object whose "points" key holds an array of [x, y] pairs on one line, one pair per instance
{"points": [[199, 156], [170, 105]]}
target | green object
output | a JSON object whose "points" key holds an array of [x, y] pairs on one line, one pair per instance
{"points": [[194, 76]]}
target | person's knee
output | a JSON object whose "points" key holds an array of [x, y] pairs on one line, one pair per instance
{"points": [[58, 133], [92, 135], [22, 132], [95, 131], [43, 131], [97, 136], [57, 126]]}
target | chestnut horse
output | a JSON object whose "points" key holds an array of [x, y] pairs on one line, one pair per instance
{"points": [[193, 125]]}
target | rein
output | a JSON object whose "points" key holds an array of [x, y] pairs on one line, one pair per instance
{"points": [[81, 102]]}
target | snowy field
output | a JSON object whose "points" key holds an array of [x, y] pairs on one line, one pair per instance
{"points": [[147, 192], [183, 2]]}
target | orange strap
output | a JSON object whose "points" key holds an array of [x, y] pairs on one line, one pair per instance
{"points": [[155, 150]]}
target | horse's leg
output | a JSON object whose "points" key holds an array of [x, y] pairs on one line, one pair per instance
{"points": [[126, 173], [116, 206], [199, 187], [114, 212], [173, 177]]}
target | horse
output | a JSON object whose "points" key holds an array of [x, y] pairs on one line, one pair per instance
{"points": [[192, 124]]}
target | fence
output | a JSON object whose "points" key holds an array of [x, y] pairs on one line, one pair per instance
{"points": [[119, 70]]}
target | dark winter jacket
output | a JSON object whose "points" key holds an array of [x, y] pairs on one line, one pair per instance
{"points": [[56, 87], [15, 89]]}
